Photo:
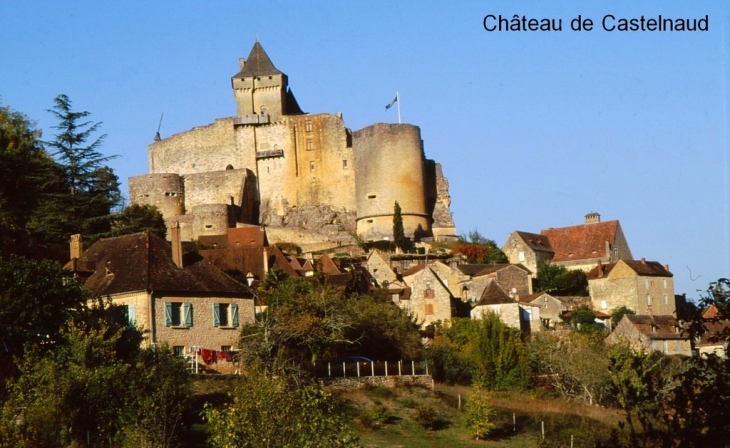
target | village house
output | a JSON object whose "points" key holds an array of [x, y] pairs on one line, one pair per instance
{"points": [[430, 300], [714, 339], [645, 287], [528, 249], [644, 332], [474, 279], [182, 301], [553, 309], [523, 316]]}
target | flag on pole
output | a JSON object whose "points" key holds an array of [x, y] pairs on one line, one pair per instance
{"points": [[391, 103]]}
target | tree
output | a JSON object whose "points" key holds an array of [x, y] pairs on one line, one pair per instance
{"points": [[91, 189], [271, 411], [479, 250], [478, 414], [557, 279], [139, 218], [619, 314], [26, 173], [399, 236]]}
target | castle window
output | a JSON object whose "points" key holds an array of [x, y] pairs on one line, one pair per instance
{"points": [[664, 283], [371, 196], [370, 221], [308, 125], [310, 144], [344, 164], [311, 166]]}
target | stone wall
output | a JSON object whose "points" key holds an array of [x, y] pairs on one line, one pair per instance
{"points": [[429, 301], [623, 287], [215, 187], [163, 190], [377, 381]]}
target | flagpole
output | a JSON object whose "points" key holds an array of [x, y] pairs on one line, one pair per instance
{"points": [[397, 100]]}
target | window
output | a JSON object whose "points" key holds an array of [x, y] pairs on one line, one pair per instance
{"points": [[128, 313], [179, 350], [178, 314], [308, 125], [344, 164], [648, 300], [428, 309], [310, 144], [521, 256], [664, 283], [225, 315], [225, 348], [666, 299], [428, 293], [603, 305], [646, 283], [311, 166]]}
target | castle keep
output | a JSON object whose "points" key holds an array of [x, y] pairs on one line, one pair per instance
{"points": [[306, 176]]}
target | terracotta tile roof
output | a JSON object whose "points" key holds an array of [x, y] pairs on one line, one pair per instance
{"points": [[641, 267], [249, 236], [493, 268], [242, 260], [328, 266], [494, 295], [581, 242], [535, 241], [413, 270], [279, 262], [657, 327], [530, 297], [143, 262], [715, 333]]}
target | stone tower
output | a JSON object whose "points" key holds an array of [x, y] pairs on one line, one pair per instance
{"points": [[261, 89], [389, 167]]}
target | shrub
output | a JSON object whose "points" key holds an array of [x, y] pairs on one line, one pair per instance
{"points": [[478, 413], [426, 417]]}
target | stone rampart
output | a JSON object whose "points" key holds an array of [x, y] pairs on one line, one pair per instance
{"points": [[362, 382], [163, 190]]}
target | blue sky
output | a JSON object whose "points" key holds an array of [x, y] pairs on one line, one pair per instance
{"points": [[534, 129]]}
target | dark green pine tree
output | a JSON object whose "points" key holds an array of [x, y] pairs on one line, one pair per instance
{"points": [[90, 189], [399, 235]]}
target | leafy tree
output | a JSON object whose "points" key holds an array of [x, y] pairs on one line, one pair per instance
{"points": [[479, 250], [139, 218], [90, 188], [271, 411], [619, 313], [557, 279], [399, 235], [478, 414]]}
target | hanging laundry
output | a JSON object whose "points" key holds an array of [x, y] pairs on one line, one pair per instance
{"points": [[224, 355], [209, 356]]}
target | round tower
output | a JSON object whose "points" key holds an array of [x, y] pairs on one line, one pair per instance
{"points": [[388, 168], [164, 190]]}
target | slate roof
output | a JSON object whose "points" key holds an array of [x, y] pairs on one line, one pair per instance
{"points": [[257, 64], [535, 241], [143, 262], [581, 242], [494, 295], [641, 267]]}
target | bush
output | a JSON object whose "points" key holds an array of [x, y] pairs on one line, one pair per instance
{"points": [[426, 417], [478, 413]]}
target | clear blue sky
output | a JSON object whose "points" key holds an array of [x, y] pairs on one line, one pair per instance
{"points": [[534, 129]]}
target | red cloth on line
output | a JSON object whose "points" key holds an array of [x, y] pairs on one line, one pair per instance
{"points": [[224, 355], [208, 356]]}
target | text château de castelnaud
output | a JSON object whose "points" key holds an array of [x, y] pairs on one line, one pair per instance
{"points": [[609, 22]]}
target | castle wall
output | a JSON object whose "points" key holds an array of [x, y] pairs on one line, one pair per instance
{"points": [[205, 148], [210, 219], [261, 94], [214, 187], [163, 190], [388, 168]]}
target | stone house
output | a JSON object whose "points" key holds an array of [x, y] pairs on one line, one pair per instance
{"points": [[380, 268], [553, 309], [448, 276], [430, 300], [523, 316], [645, 287], [182, 301], [528, 249], [714, 339], [514, 279], [644, 332]]}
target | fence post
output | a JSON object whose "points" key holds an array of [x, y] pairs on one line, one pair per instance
{"points": [[386, 368], [372, 368], [413, 367], [344, 369], [399, 370], [329, 369], [358, 369]]}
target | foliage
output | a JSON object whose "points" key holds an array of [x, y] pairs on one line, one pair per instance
{"points": [[619, 313], [493, 353], [399, 236], [583, 317], [26, 173], [139, 218], [478, 415], [575, 365], [90, 189], [289, 248], [557, 279], [426, 417], [479, 250], [271, 411]]}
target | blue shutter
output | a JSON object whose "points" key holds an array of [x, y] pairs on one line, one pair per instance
{"points": [[216, 315], [234, 314], [168, 314], [131, 317], [188, 314]]}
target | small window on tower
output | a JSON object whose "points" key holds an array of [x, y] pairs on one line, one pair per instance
{"points": [[344, 164], [311, 166], [310, 144], [308, 125]]}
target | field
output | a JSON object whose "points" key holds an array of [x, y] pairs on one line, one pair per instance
{"points": [[386, 417]]}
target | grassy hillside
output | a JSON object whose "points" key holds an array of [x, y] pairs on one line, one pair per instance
{"points": [[386, 417]]}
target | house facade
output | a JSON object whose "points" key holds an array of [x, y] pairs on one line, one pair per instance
{"points": [[643, 332]]}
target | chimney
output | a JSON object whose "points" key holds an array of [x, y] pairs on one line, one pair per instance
{"points": [[600, 269], [241, 62], [176, 243], [666, 266], [592, 218], [77, 247], [266, 262], [643, 260]]}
